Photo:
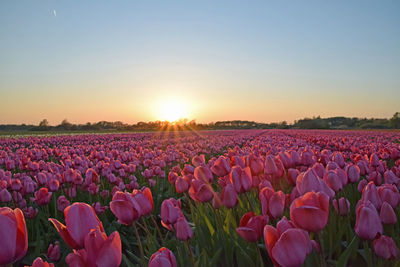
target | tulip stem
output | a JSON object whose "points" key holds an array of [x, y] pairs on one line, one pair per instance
{"points": [[158, 228], [368, 254], [55, 206], [146, 228], [141, 226], [187, 245], [139, 242], [260, 255], [248, 199], [321, 243]]}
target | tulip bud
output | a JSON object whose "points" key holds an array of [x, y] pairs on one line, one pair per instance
{"points": [[38, 262], [43, 196], [368, 224], [163, 257], [53, 252], [386, 248], [387, 214], [183, 230], [342, 207]]}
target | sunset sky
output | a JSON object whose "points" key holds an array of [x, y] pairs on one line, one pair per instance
{"points": [[205, 60]]}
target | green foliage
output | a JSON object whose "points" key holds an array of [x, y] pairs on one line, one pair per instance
{"points": [[186, 125]]}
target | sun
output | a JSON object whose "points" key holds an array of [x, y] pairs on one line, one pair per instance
{"points": [[171, 110]]}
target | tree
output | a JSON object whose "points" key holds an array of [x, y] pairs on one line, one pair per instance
{"points": [[395, 120], [65, 124], [44, 123]]}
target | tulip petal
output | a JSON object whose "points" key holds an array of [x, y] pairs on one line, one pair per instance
{"points": [[22, 235], [8, 240], [80, 218], [110, 253], [125, 214], [247, 234], [62, 230], [309, 218], [291, 248]]}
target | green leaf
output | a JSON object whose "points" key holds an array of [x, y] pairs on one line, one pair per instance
{"points": [[342, 261], [127, 261], [209, 225], [216, 257]]}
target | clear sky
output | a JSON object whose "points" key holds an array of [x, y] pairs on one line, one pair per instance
{"points": [[218, 60]]}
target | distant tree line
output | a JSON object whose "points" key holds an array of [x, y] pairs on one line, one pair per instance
{"points": [[184, 124], [348, 123]]}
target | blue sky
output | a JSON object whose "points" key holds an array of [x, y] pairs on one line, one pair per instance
{"points": [[217, 60]]}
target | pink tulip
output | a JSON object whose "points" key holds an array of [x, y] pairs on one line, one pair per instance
{"points": [[310, 211], [270, 167], [375, 177], [152, 182], [216, 202], [295, 157], [99, 250], [170, 210], [251, 226], [319, 169], [386, 248], [98, 208], [338, 158], [200, 191], [53, 185], [342, 207], [163, 258], [91, 176], [374, 160], [309, 181], [53, 252], [145, 200], [286, 160], [14, 237], [368, 224], [370, 193], [38, 262], [221, 167], [361, 185], [198, 160], [16, 185], [125, 208], [390, 194], [30, 212], [241, 179], [332, 179], [272, 203], [387, 214], [256, 165], [43, 196], [203, 173], [292, 176], [353, 173], [181, 184], [5, 196], [183, 230], [286, 245], [390, 178], [172, 176], [229, 196], [264, 196], [103, 250], [80, 218], [62, 203]]}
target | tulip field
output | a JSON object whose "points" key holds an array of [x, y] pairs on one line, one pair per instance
{"points": [[206, 198]]}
